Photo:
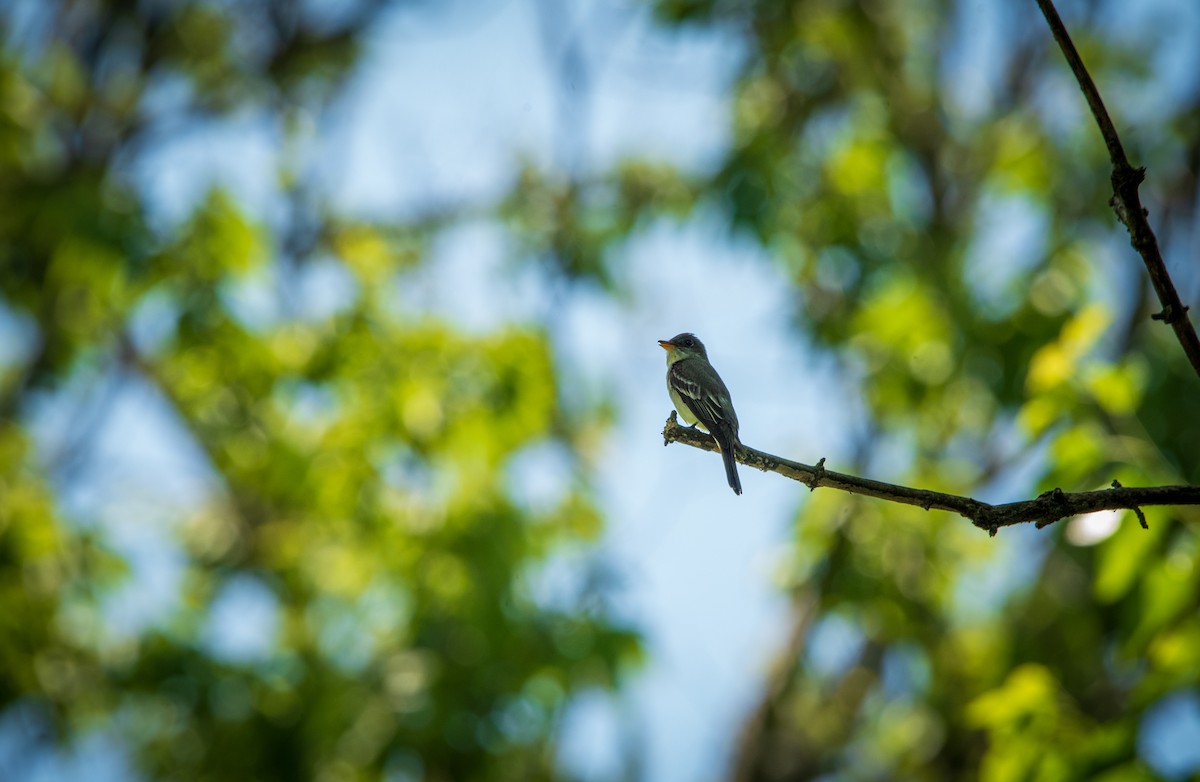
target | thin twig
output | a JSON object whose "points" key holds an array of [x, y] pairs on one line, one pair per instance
{"points": [[1125, 201], [1042, 511]]}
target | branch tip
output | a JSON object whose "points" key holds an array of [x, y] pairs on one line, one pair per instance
{"points": [[672, 422], [1054, 495], [818, 473], [1170, 314], [1141, 517]]}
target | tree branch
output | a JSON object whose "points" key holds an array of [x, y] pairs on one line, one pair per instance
{"points": [[1125, 201], [1042, 511]]}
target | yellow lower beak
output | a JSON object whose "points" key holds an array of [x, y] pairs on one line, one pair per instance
{"points": [[662, 343]]}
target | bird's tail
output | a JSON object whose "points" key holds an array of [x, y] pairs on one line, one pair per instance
{"points": [[731, 473]]}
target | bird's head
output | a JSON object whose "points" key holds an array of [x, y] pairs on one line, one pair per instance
{"points": [[682, 346]]}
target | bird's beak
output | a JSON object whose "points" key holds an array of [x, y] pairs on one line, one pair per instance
{"points": [[662, 343]]}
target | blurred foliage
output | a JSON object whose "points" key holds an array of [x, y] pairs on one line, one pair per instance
{"points": [[359, 460], [877, 191]]}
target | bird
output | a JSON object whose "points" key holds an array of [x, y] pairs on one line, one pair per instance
{"points": [[701, 397]]}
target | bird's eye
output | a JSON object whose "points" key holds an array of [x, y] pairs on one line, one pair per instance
{"points": [[687, 343]]}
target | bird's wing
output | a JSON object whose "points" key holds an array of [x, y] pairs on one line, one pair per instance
{"points": [[701, 389]]}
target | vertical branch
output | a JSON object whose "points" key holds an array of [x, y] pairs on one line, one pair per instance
{"points": [[1125, 201]]}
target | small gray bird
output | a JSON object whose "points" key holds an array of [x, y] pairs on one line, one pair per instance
{"points": [[701, 397]]}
